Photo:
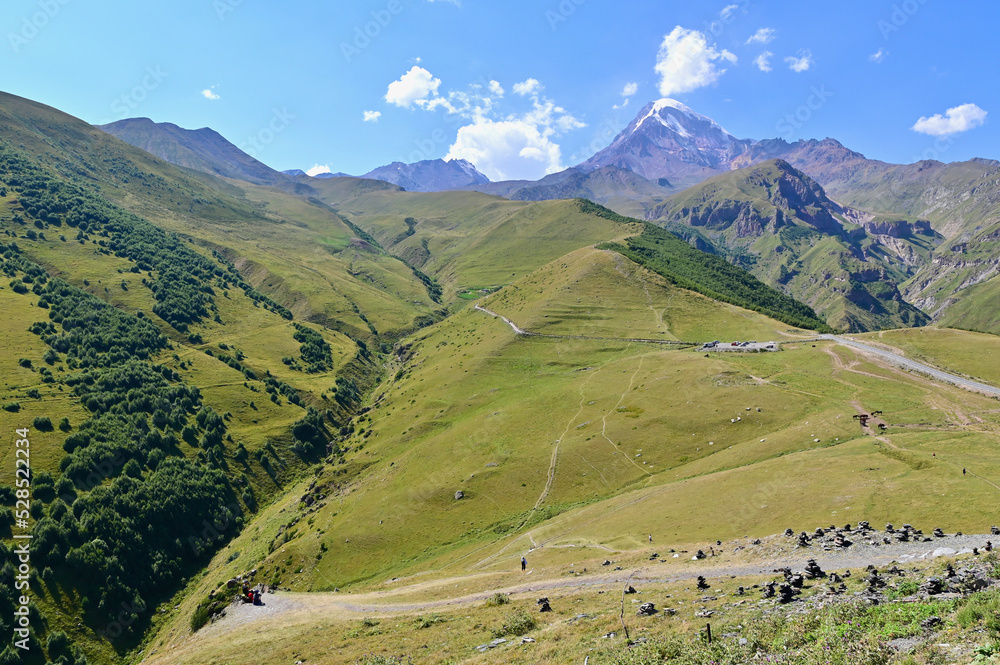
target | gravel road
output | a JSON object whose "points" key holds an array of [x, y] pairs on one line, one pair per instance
{"points": [[914, 366]]}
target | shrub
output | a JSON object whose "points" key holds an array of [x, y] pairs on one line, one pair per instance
{"points": [[43, 424], [13, 407], [515, 623], [199, 618], [497, 599]]}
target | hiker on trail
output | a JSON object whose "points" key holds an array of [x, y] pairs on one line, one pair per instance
{"points": [[963, 472], [650, 537], [524, 563]]}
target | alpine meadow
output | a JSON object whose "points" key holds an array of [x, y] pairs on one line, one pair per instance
{"points": [[523, 368]]}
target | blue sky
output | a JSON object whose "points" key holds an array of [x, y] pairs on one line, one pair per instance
{"points": [[520, 88]]}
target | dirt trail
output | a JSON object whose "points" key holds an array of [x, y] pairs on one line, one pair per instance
{"points": [[528, 333], [283, 606], [604, 419], [555, 451]]}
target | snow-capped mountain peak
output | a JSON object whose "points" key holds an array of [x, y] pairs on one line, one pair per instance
{"points": [[676, 116], [669, 140]]}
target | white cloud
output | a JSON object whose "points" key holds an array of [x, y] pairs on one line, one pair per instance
{"points": [[414, 86], [521, 144], [958, 119], [878, 56], [529, 87], [518, 146], [208, 94], [630, 89], [507, 149], [372, 116], [317, 169], [801, 63], [686, 62], [763, 61], [762, 36], [728, 11]]}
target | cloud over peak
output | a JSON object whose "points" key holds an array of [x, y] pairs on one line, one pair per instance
{"points": [[686, 62]]}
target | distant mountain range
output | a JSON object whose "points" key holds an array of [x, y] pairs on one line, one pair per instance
{"points": [[867, 243], [430, 175], [199, 149]]}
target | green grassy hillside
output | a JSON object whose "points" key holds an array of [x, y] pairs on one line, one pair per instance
{"points": [[600, 293], [167, 401], [220, 377], [468, 240], [595, 443], [779, 224], [299, 252], [681, 264]]}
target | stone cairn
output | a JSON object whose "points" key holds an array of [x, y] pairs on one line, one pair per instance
{"points": [[703, 584], [875, 582], [813, 570], [647, 610], [786, 593]]}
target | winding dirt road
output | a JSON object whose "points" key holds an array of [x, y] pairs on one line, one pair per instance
{"points": [[914, 366]]}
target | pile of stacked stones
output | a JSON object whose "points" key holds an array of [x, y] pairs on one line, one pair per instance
{"points": [[837, 585], [874, 580], [813, 570], [904, 535], [787, 593], [833, 537]]}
